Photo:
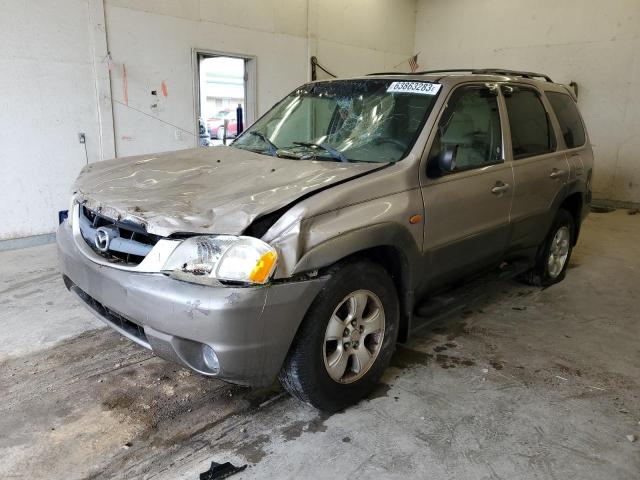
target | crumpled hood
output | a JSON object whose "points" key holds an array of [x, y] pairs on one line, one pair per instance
{"points": [[206, 190]]}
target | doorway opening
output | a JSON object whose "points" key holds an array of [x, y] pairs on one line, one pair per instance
{"points": [[225, 100]]}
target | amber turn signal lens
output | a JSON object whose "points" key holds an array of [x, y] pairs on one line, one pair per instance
{"points": [[263, 268], [415, 219]]}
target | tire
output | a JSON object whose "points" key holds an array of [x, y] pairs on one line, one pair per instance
{"points": [[545, 272], [306, 371]]}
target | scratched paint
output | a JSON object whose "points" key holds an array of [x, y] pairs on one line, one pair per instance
{"points": [[216, 190]]}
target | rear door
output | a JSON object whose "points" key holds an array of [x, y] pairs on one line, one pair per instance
{"points": [[467, 209], [540, 169], [573, 134]]}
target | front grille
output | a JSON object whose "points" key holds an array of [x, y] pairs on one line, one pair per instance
{"points": [[133, 330], [132, 244]]}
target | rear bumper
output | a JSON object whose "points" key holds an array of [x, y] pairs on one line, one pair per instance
{"points": [[250, 329]]}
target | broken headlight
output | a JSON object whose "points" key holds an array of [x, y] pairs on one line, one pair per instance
{"points": [[210, 259]]}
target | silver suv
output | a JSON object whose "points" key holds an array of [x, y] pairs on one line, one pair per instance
{"points": [[301, 251]]}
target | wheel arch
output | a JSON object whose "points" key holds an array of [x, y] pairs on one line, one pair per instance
{"points": [[573, 204], [388, 245]]}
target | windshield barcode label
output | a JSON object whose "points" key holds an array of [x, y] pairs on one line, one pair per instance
{"points": [[423, 88]]}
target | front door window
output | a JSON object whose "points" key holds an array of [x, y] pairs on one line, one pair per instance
{"points": [[470, 126]]}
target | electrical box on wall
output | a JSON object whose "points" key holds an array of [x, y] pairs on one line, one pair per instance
{"points": [[157, 101]]}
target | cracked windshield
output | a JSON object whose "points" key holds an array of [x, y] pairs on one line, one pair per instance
{"points": [[344, 120]]}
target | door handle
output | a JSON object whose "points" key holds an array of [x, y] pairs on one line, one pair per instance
{"points": [[499, 188], [555, 173]]}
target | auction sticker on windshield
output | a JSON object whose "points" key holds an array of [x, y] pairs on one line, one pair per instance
{"points": [[423, 88]]}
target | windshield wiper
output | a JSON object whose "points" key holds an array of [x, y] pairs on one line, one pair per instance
{"points": [[273, 150], [331, 151]]}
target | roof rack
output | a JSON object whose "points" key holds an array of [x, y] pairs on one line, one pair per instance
{"points": [[475, 71], [426, 72], [511, 73]]}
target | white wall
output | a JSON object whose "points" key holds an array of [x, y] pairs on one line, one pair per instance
{"points": [[362, 36], [154, 40], [55, 83], [596, 44], [47, 96]]}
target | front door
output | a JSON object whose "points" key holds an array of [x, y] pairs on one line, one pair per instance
{"points": [[540, 170], [466, 208]]}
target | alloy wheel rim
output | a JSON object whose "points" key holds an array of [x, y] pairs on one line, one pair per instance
{"points": [[559, 251], [354, 335]]}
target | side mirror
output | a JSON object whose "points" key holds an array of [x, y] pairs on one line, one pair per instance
{"points": [[447, 159]]}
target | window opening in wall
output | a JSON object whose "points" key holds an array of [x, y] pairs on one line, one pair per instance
{"points": [[222, 99]]}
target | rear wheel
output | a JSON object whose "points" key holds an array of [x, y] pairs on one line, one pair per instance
{"points": [[346, 339], [554, 254]]}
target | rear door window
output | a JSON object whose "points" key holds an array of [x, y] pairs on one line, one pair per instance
{"points": [[531, 132], [569, 119]]}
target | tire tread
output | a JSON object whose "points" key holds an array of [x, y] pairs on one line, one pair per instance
{"points": [[299, 376], [537, 276]]}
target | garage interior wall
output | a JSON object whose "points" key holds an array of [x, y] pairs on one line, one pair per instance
{"points": [[57, 82], [48, 96], [596, 44]]}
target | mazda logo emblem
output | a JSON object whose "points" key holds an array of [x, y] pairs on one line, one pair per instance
{"points": [[103, 239]]}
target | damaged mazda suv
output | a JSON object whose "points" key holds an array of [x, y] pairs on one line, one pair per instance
{"points": [[300, 251]]}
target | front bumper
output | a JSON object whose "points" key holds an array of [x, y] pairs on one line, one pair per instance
{"points": [[250, 329]]}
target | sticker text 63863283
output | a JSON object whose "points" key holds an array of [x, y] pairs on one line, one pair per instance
{"points": [[423, 88]]}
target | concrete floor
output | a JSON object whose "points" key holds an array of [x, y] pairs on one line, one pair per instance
{"points": [[523, 383]]}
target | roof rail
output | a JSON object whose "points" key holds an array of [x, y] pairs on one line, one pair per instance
{"points": [[511, 73], [475, 71], [426, 72]]}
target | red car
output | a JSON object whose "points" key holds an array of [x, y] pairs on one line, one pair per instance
{"points": [[215, 125]]}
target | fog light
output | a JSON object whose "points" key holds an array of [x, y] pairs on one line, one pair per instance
{"points": [[210, 359]]}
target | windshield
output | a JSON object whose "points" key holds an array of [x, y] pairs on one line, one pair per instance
{"points": [[369, 120]]}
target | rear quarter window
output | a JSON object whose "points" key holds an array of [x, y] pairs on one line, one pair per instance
{"points": [[569, 119]]}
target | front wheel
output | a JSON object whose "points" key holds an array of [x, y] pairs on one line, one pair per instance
{"points": [[346, 340], [554, 254]]}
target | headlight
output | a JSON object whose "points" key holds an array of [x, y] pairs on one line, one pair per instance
{"points": [[209, 259], [70, 211]]}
